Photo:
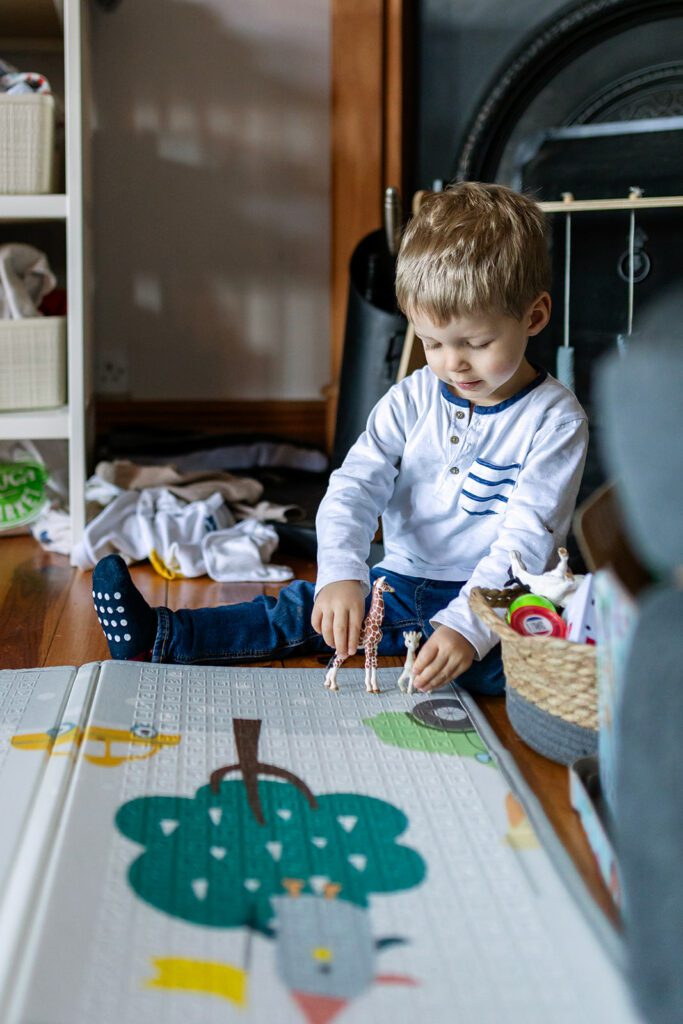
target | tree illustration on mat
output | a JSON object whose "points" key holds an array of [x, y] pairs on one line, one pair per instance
{"points": [[218, 858], [268, 855]]}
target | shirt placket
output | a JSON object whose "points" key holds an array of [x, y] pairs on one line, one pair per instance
{"points": [[460, 442]]}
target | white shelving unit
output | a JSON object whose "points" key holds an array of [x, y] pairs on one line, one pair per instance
{"points": [[41, 27], [32, 208]]}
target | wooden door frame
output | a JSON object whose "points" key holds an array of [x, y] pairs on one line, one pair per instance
{"points": [[371, 109]]}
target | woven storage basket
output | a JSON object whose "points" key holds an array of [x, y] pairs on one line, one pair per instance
{"points": [[27, 132], [32, 363], [551, 684]]}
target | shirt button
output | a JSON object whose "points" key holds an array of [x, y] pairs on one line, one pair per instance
{"points": [[455, 439], [455, 470], [460, 415]]}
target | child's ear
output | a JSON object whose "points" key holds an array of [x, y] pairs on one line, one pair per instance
{"points": [[539, 314]]}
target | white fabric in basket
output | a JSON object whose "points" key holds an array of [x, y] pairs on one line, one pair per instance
{"points": [[25, 278]]}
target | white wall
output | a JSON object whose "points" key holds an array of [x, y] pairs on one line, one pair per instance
{"points": [[211, 196]]}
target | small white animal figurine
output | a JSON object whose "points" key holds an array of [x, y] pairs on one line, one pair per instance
{"points": [[370, 636], [412, 641], [556, 585]]}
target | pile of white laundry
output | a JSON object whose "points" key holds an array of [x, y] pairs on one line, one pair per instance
{"points": [[187, 525]]}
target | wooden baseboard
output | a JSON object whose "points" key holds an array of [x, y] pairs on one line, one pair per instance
{"points": [[295, 420]]}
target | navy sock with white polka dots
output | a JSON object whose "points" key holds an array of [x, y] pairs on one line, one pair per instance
{"points": [[128, 622]]}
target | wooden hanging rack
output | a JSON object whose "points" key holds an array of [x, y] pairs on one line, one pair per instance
{"points": [[635, 201]]}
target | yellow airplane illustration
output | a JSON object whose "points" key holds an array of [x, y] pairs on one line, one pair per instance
{"points": [[67, 738]]}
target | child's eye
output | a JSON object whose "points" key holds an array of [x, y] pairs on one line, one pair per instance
{"points": [[484, 345]]}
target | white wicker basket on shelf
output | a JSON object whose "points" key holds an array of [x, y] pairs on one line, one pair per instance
{"points": [[27, 133], [32, 363]]}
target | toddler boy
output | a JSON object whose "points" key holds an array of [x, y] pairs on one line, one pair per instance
{"points": [[479, 453]]}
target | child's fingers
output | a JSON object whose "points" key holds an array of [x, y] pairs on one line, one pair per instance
{"points": [[327, 628], [316, 619], [425, 658], [341, 633], [436, 682], [425, 680], [355, 624], [447, 671], [441, 675], [441, 669]]}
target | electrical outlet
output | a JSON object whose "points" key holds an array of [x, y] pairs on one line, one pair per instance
{"points": [[111, 376]]}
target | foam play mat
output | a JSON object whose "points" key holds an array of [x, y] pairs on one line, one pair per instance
{"points": [[206, 845]]}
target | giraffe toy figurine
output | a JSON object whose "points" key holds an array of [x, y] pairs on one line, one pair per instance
{"points": [[370, 636], [411, 639]]}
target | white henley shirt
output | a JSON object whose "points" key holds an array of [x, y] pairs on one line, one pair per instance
{"points": [[457, 488]]}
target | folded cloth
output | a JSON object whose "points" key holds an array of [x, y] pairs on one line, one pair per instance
{"points": [[240, 554], [173, 530], [178, 538], [235, 555], [161, 523], [114, 531], [195, 486], [25, 277], [133, 525], [14, 83], [241, 493], [100, 491], [266, 511], [244, 455]]}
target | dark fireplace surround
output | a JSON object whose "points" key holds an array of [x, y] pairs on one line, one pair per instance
{"points": [[613, 31], [592, 103]]}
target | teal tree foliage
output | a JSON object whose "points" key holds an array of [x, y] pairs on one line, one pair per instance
{"points": [[208, 860]]}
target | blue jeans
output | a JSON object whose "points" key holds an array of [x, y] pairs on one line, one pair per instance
{"points": [[270, 627]]}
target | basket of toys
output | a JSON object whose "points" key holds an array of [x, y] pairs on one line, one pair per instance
{"points": [[551, 682]]}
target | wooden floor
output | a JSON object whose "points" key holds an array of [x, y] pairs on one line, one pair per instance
{"points": [[47, 618]]}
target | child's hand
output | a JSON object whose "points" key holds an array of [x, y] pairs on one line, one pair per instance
{"points": [[446, 654], [338, 614]]}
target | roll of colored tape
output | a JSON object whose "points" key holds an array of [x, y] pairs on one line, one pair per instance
{"points": [[529, 599], [537, 620]]}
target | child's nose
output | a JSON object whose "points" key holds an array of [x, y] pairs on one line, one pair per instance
{"points": [[457, 360]]}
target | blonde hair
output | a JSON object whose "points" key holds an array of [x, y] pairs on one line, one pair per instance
{"points": [[473, 248]]}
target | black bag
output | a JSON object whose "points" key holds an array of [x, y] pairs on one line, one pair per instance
{"points": [[373, 340]]}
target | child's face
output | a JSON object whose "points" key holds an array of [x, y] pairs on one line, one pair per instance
{"points": [[481, 357]]}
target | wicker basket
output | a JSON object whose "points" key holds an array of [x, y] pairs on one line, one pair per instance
{"points": [[551, 684], [32, 363], [27, 131]]}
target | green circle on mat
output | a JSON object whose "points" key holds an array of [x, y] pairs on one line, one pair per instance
{"points": [[527, 599]]}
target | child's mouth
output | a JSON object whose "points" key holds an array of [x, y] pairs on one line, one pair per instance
{"points": [[468, 384]]}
